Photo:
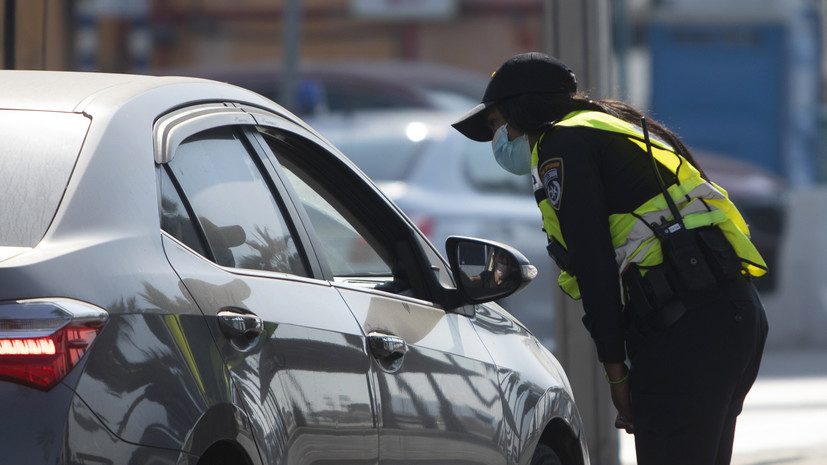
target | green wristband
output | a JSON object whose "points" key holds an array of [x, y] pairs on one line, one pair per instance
{"points": [[621, 380]]}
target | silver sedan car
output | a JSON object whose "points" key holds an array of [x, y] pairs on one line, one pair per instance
{"points": [[192, 275]]}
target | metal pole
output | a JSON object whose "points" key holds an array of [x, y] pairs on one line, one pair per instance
{"points": [[292, 43], [577, 32], [9, 20]]}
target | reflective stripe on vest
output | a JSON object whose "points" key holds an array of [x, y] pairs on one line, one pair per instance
{"points": [[700, 202]]}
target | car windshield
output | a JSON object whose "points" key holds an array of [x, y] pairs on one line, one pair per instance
{"points": [[38, 153]]}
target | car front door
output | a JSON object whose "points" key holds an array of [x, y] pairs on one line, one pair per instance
{"points": [[295, 353], [437, 389]]}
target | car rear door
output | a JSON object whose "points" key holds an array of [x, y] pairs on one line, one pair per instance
{"points": [[438, 398], [295, 353]]}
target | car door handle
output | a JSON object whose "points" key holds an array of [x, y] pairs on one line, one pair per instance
{"points": [[386, 347], [235, 324]]}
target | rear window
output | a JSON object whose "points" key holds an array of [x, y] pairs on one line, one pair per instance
{"points": [[37, 154]]}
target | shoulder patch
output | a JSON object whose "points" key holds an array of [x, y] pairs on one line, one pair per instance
{"points": [[551, 172]]}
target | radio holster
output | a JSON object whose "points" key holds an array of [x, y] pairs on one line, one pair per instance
{"points": [[694, 262], [653, 296], [683, 255]]}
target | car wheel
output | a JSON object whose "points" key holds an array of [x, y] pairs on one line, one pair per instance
{"points": [[545, 455]]}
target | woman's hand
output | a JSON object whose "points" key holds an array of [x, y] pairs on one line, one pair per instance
{"points": [[618, 377]]}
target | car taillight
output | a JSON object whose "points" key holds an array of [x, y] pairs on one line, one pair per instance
{"points": [[41, 340]]}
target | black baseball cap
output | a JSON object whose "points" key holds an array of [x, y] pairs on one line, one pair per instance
{"points": [[532, 72]]}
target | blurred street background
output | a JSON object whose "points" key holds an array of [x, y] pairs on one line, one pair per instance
{"points": [[742, 81]]}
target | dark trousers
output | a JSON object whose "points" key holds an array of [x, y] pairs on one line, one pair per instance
{"points": [[689, 380]]}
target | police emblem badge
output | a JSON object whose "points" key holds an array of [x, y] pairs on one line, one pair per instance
{"points": [[551, 172]]}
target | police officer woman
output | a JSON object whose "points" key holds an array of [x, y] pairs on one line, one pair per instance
{"points": [[665, 281]]}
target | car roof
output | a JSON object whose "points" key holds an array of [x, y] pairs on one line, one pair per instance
{"points": [[70, 91]]}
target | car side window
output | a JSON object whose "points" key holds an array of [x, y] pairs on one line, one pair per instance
{"points": [[174, 216], [349, 252], [232, 216], [364, 241]]}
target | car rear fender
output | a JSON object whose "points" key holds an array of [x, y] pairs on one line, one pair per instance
{"points": [[223, 423]]}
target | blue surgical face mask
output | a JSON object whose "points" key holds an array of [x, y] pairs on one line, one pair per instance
{"points": [[513, 155]]}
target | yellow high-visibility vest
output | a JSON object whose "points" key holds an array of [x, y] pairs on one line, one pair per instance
{"points": [[700, 202]]}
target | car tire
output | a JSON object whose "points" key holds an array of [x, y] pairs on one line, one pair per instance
{"points": [[545, 455]]}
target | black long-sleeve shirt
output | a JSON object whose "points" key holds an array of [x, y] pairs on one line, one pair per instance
{"points": [[599, 173]]}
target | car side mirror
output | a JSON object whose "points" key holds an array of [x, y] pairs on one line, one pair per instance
{"points": [[486, 270]]}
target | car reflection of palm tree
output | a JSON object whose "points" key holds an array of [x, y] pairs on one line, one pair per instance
{"points": [[287, 399], [260, 379], [139, 359], [308, 355], [275, 253], [244, 376], [469, 380], [269, 376], [416, 362], [518, 392]]}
